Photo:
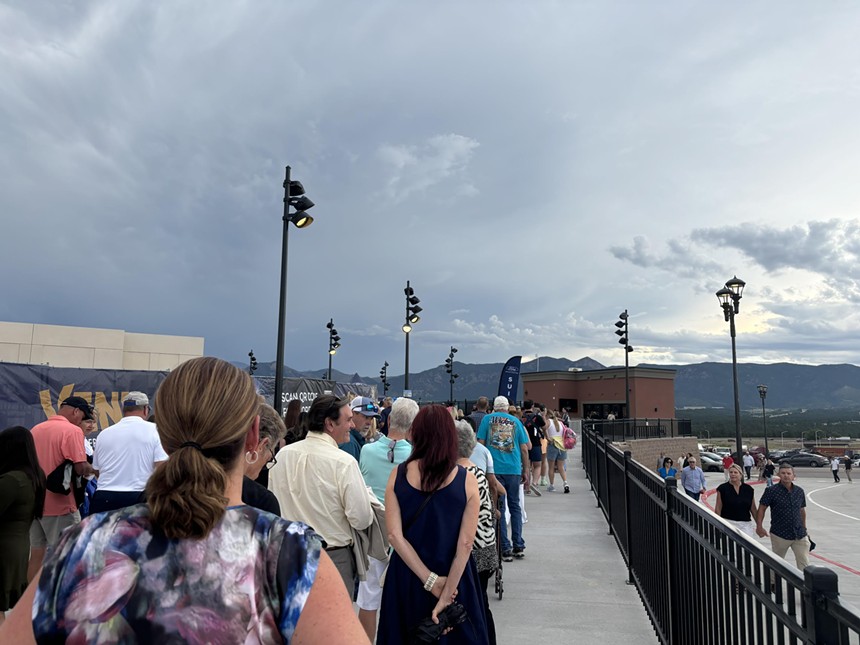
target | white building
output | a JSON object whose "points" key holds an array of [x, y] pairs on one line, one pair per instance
{"points": [[88, 347]]}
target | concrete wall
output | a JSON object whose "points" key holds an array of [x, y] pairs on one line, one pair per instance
{"points": [[88, 347], [647, 451]]}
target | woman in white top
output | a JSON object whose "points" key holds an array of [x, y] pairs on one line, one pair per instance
{"points": [[556, 455]]}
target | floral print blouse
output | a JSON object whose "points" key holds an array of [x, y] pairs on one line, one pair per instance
{"points": [[113, 578]]}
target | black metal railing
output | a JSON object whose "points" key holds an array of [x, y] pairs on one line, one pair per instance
{"points": [[701, 580], [624, 429]]}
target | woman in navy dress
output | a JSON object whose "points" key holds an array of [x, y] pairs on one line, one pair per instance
{"points": [[431, 565]]}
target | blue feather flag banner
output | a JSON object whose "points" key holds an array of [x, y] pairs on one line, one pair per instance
{"points": [[509, 380]]}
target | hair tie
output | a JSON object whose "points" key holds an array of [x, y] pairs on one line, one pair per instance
{"points": [[192, 444]]}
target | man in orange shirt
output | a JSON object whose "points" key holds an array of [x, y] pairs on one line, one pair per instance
{"points": [[59, 439]]}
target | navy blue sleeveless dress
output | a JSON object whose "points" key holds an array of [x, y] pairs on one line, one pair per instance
{"points": [[434, 536]]}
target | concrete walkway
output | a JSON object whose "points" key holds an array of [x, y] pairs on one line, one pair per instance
{"points": [[572, 582]]}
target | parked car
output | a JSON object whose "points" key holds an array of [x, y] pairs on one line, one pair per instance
{"points": [[805, 459], [777, 454], [711, 462]]}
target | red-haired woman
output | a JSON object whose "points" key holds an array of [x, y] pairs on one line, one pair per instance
{"points": [[431, 511]]}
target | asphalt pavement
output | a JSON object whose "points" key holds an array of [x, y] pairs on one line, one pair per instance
{"points": [[833, 521]]}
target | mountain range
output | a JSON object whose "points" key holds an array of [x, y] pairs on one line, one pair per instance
{"points": [[708, 385]]}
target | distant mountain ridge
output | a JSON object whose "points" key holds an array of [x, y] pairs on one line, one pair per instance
{"points": [[790, 385]]}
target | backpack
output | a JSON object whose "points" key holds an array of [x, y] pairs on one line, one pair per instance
{"points": [[568, 437], [533, 431]]}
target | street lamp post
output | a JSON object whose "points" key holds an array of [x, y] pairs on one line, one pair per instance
{"points": [[412, 317], [383, 375], [782, 438], [730, 300], [621, 324], [294, 195], [762, 392], [333, 343], [817, 432], [449, 368]]}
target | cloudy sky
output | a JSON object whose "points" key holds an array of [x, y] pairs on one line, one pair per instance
{"points": [[534, 168]]}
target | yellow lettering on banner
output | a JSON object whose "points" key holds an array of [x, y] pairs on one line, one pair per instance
{"points": [[109, 413], [48, 405]]}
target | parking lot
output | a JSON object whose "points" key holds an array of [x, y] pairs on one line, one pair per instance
{"points": [[833, 521]]}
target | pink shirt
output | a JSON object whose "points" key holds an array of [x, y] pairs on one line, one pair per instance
{"points": [[58, 439]]}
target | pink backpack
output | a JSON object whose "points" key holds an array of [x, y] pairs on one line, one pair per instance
{"points": [[568, 437]]}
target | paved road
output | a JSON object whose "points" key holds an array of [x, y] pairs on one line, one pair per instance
{"points": [[570, 587], [833, 518]]}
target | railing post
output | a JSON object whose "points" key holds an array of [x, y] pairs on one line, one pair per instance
{"points": [[673, 628], [820, 586], [627, 516], [605, 485]]}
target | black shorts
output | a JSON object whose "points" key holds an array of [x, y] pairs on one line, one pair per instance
{"points": [[536, 454]]}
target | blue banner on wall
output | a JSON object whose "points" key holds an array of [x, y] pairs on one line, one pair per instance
{"points": [[29, 394], [509, 380]]}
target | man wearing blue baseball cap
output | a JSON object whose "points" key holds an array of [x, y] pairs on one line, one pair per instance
{"points": [[363, 412]]}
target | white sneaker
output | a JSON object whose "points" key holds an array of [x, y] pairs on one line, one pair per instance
{"points": [[550, 489]]}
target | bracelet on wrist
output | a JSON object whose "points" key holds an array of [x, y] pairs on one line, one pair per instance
{"points": [[431, 580]]}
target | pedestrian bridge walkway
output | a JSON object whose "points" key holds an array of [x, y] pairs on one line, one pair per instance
{"points": [[572, 582]]}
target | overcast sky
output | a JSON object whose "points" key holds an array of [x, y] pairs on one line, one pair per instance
{"points": [[534, 168]]}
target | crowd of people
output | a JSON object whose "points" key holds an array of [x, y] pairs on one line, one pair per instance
{"points": [[209, 517], [735, 500]]}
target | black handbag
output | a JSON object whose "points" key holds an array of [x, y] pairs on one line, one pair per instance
{"points": [[430, 632]]}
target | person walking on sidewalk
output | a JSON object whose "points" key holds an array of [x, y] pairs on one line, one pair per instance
{"points": [[848, 465], [749, 462], [693, 479], [834, 468], [506, 438], [556, 455], [787, 503]]}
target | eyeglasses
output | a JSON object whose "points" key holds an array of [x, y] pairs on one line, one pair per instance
{"points": [[391, 451], [271, 463]]}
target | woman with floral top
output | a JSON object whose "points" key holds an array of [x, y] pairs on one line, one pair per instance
{"points": [[192, 564]]}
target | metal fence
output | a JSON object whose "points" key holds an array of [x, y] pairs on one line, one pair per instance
{"points": [[624, 429], [702, 581]]}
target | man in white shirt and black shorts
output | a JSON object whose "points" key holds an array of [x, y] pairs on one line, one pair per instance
{"points": [[125, 456]]}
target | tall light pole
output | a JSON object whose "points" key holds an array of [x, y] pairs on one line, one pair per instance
{"points": [[333, 343], [762, 392], [294, 195], [621, 324], [730, 300], [817, 432], [412, 317], [383, 375], [449, 368], [782, 438]]}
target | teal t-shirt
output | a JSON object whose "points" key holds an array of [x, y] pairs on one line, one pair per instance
{"points": [[503, 434], [376, 462]]}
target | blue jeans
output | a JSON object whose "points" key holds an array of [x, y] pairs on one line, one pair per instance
{"points": [[511, 484]]}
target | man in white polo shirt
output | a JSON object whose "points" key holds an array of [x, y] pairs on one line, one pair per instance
{"points": [[125, 456]]}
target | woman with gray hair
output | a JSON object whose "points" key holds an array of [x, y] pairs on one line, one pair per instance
{"points": [[272, 431], [484, 547]]}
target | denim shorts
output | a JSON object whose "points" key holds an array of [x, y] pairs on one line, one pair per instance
{"points": [[555, 454]]}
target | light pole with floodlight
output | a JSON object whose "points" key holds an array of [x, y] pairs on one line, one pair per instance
{"points": [[730, 300], [762, 392], [412, 317], [294, 195], [333, 343], [622, 330]]}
